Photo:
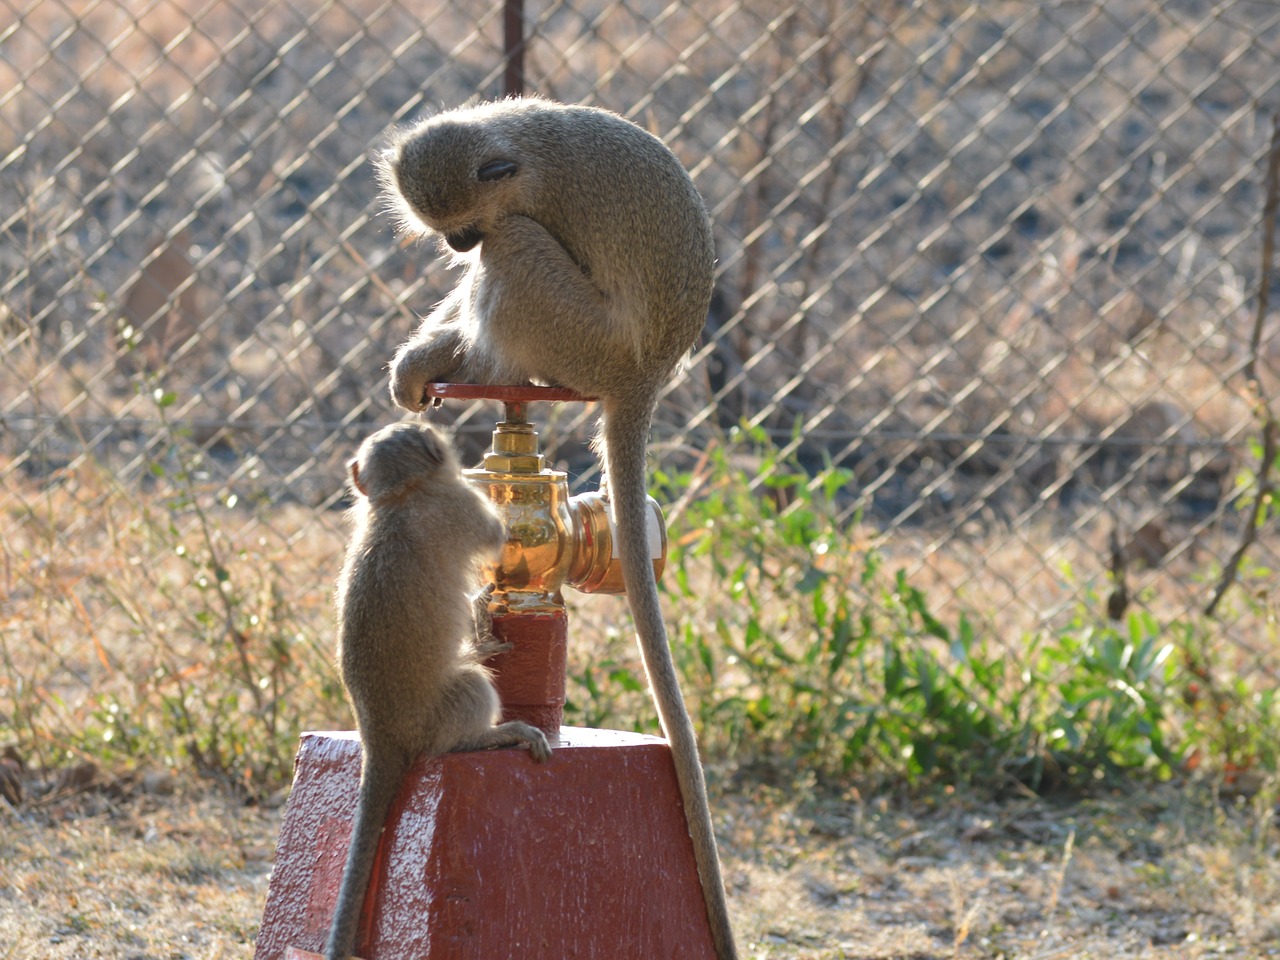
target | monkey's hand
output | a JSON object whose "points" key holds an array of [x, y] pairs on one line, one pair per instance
{"points": [[483, 642], [432, 355]]}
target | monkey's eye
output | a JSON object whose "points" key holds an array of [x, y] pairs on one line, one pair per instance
{"points": [[496, 170]]}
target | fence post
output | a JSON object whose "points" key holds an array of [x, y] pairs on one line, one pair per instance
{"points": [[513, 47]]}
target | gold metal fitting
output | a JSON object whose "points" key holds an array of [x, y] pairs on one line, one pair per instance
{"points": [[552, 539], [534, 502], [515, 449], [596, 567]]}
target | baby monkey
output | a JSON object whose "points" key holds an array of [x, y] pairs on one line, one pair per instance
{"points": [[405, 619]]}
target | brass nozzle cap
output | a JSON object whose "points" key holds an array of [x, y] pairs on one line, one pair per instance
{"points": [[515, 449]]}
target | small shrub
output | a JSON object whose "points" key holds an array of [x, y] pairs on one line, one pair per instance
{"points": [[799, 647], [176, 626], [165, 631]]}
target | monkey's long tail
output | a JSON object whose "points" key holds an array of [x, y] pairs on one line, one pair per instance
{"points": [[626, 431], [380, 780]]}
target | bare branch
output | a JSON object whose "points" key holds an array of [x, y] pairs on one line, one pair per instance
{"points": [[1270, 426]]}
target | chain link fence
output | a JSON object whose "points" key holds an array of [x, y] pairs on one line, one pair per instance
{"points": [[998, 260]]}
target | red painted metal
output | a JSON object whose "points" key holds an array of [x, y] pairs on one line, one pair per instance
{"points": [[505, 393], [530, 676], [490, 855]]}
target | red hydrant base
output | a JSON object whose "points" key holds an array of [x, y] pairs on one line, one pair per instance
{"points": [[490, 855]]}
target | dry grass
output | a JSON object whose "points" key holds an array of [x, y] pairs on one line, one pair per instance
{"points": [[164, 625], [121, 873], [1127, 876], [131, 876]]}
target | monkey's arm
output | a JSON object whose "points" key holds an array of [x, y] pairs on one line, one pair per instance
{"points": [[434, 354]]}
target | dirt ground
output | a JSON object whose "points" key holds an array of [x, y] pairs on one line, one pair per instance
{"points": [[145, 867]]}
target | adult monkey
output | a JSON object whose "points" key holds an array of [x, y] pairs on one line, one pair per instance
{"points": [[589, 266]]}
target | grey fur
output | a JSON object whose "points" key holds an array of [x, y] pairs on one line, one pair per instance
{"points": [[405, 625]]}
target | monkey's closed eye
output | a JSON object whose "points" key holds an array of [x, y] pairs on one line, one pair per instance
{"points": [[496, 170]]}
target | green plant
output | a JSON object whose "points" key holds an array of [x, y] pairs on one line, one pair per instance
{"points": [[1110, 687], [232, 689], [798, 645], [180, 626], [168, 625]]}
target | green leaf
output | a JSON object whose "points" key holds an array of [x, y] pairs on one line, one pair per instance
{"points": [[813, 579]]}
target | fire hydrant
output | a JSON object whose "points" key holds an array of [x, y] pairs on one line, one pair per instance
{"points": [[487, 855]]}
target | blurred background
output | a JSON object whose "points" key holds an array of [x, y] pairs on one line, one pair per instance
{"points": [[988, 287]]}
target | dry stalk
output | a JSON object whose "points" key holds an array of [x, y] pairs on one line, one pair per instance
{"points": [[1055, 891], [1253, 385], [965, 915]]}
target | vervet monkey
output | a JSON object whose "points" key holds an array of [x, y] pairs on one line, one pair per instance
{"points": [[589, 266], [404, 618]]}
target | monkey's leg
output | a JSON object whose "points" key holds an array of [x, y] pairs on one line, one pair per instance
{"points": [[513, 733], [469, 705], [538, 311]]}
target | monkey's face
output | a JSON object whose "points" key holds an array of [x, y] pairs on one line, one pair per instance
{"points": [[451, 177], [400, 456]]}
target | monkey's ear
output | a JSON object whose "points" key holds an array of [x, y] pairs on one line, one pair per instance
{"points": [[433, 447], [496, 170], [354, 466]]}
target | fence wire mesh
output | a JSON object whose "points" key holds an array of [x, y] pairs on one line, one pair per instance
{"points": [[998, 260]]}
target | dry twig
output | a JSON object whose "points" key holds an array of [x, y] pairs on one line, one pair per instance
{"points": [[1266, 415]]}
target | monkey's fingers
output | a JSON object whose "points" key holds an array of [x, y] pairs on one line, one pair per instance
{"points": [[490, 647], [517, 731]]}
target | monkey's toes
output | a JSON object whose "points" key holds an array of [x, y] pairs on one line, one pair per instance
{"points": [[491, 647], [540, 749]]}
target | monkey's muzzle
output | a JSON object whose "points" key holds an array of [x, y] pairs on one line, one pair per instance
{"points": [[464, 239]]}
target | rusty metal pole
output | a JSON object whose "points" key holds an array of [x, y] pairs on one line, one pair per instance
{"points": [[513, 47]]}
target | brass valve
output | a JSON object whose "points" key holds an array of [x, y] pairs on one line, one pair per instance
{"points": [[596, 566], [553, 539], [534, 501]]}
